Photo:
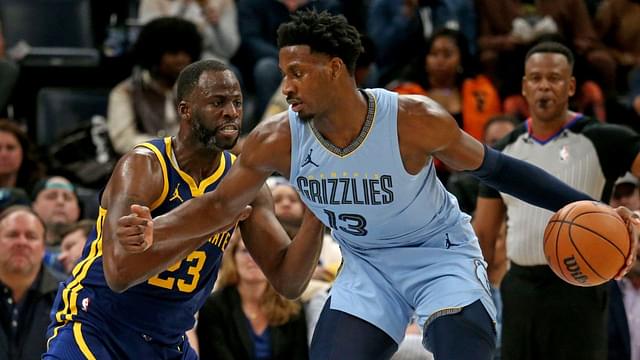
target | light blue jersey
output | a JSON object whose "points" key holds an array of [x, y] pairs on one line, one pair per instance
{"points": [[406, 245]]}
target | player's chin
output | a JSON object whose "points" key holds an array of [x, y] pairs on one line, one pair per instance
{"points": [[226, 143]]}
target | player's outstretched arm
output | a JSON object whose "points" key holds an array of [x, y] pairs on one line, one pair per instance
{"points": [[287, 264], [460, 151], [265, 151]]}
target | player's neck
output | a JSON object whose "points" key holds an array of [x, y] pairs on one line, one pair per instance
{"points": [[343, 123], [546, 128], [195, 160]]}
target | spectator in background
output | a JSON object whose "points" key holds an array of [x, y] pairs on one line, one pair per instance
{"points": [[624, 301], [246, 318], [8, 76], [217, 21], [18, 165], [618, 25], [258, 22], [144, 105], [56, 202], [624, 316], [27, 289], [73, 239], [446, 73], [508, 28], [397, 27], [625, 192]]}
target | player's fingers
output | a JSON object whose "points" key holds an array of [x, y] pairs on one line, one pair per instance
{"points": [[130, 231], [132, 220], [141, 211]]}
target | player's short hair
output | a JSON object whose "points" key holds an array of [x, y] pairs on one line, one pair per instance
{"points": [[166, 35], [553, 48], [188, 78], [323, 33]]}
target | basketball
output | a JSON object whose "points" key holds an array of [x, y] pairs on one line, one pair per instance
{"points": [[586, 243]]}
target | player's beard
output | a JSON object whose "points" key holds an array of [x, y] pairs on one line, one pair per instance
{"points": [[207, 137]]}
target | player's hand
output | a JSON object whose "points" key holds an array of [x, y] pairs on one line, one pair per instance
{"points": [[135, 231], [632, 219]]}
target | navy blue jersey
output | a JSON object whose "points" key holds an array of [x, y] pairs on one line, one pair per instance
{"points": [[163, 307]]}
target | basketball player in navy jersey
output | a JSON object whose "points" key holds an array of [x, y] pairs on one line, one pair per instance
{"points": [[124, 301], [362, 162]]}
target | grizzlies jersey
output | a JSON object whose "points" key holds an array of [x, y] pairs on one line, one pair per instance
{"points": [[363, 192], [163, 307], [406, 247]]}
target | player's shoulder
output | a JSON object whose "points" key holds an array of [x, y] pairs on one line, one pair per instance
{"points": [[421, 115], [269, 142], [419, 106]]}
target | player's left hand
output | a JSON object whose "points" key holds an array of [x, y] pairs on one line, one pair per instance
{"points": [[135, 231], [632, 219]]}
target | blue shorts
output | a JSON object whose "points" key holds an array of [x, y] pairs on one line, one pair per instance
{"points": [[81, 341]]}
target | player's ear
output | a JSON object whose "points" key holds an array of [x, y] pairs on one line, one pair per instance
{"points": [[336, 65], [184, 110]]}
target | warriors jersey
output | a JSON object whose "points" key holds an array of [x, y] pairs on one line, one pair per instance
{"points": [[162, 308], [406, 245]]}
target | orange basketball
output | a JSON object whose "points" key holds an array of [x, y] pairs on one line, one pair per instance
{"points": [[586, 243]]}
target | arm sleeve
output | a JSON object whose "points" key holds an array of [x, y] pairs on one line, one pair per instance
{"points": [[525, 181]]}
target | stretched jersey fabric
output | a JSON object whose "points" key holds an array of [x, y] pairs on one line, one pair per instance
{"points": [[406, 245], [162, 308], [585, 154]]}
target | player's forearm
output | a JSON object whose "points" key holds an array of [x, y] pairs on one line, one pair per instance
{"points": [[124, 270], [297, 262], [525, 181], [195, 218]]}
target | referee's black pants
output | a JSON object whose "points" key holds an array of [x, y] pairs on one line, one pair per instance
{"points": [[547, 318]]}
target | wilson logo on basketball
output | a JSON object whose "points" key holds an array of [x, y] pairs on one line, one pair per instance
{"points": [[574, 269]]}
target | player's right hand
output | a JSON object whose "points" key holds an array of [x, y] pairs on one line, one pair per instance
{"points": [[135, 231]]}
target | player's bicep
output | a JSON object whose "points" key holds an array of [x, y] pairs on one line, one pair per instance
{"points": [[425, 125], [137, 179]]}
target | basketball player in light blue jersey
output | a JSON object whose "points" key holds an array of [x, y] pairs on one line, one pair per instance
{"points": [[362, 161]]}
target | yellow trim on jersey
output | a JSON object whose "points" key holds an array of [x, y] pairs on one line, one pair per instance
{"points": [[196, 190], [165, 174], [55, 333], [77, 335], [70, 292], [373, 121]]}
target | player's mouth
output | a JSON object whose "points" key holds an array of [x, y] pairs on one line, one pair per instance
{"points": [[296, 104], [228, 130]]}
